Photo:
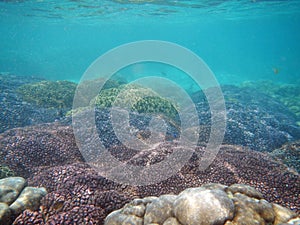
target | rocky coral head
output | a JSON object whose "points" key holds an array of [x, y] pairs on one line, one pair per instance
{"points": [[209, 204]]}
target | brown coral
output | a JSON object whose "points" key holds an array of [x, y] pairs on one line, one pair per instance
{"points": [[49, 157], [78, 193], [43, 145]]}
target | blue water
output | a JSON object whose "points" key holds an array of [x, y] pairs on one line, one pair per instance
{"points": [[239, 40]]}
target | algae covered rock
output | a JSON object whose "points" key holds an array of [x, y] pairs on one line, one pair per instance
{"points": [[49, 94], [15, 197], [211, 204], [5, 171]]}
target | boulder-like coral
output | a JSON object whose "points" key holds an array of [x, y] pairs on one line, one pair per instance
{"points": [[5, 214], [202, 206], [29, 198], [11, 187], [209, 204], [15, 197]]}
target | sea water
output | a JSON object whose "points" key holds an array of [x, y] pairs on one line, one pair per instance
{"points": [[238, 40]]}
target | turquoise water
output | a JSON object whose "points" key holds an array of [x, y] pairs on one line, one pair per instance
{"points": [[239, 40]]}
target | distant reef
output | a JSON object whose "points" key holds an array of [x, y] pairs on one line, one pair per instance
{"points": [[20, 105], [261, 116], [288, 94], [49, 94], [253, 118], [28, 100]]}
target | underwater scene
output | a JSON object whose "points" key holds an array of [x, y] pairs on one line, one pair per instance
{"points": [[149, 112]]}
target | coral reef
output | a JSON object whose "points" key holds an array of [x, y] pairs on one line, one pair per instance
{"points": [[138, 122], [233, 164], [254, 119], [288, 94], [206, 205], [47, 144], [49, 94], [27, 100], [77, 193], [15, 197], [9, 81], [47, 154]]}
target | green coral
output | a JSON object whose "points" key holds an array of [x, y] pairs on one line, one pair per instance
{"points": [[49, 94], [5, 171], [60, 94], [137, 98], [105, 98], [90, 88]]}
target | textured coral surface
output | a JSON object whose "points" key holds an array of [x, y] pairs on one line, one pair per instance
{"points": [[78, 194]]}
